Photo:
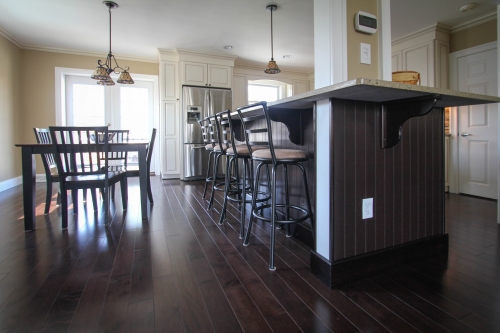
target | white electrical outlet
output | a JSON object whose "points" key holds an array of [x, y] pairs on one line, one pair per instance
{"points": [[367, 210]]}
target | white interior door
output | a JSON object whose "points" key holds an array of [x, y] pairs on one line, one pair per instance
{"points": [[478, 127]]}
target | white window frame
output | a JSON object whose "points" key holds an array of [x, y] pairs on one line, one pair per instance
{"points": [[283, 89], [60, 99]]}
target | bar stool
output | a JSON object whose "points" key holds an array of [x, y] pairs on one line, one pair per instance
{"points": [[255, 121], [235, 190], [209, 147], [219, 150]]}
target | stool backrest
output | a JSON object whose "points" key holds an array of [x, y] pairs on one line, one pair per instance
{"points": [[209, 131], [257, 126], [226, 133]]}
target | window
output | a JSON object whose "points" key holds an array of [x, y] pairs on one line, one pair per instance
{"points": [[132, 107], [266, 90]]}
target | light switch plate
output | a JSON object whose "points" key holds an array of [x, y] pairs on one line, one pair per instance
{"points": [[366, 55]]}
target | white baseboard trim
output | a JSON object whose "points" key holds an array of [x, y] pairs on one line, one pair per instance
{"points": [[10, 183]]}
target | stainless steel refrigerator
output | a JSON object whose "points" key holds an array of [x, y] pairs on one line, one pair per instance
{"points": [[199, 103]]}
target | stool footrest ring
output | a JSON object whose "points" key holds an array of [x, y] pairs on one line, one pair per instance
{"points": [[257, 213]]}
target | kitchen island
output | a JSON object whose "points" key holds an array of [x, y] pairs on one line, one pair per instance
{"points": [[372, 139]]}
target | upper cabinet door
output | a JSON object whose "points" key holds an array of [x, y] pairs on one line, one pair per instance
{"points": [[194, 73], [219, 76]]}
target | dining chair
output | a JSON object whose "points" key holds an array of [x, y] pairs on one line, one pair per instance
{"points": [[118, 159], [133, 170], [49, 164], [81, 166], [257, 127]]}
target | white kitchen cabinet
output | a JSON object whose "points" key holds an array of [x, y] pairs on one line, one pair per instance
{"points": [[200, 74], [171, 140], [169, 75]]}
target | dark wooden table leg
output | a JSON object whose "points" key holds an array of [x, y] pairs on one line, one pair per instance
{"points": [[29, 187], [143, 181]]}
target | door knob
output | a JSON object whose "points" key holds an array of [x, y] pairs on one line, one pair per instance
{"points": [[465, 134]]}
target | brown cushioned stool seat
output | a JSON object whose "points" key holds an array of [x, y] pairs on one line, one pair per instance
{"points": [[243, 149], [281, 155]]}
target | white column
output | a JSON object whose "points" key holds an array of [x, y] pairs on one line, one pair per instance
{"points": [[384, 40], [330, 67], [330, 42], [498, 78]]}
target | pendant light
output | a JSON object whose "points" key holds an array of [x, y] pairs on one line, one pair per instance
{"points": [[102, 71], [272, 66]]}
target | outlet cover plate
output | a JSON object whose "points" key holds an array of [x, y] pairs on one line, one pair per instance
{"points": [[367, 208]]}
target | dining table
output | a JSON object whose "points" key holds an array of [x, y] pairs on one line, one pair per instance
{"points": [[28, 152]]}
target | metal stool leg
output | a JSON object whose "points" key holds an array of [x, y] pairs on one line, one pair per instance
{"points": [[272, 267], [254, 203], [214, 180], [208, 173], [227, 185]]}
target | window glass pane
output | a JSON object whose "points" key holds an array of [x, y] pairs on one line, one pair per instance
{"points": [[134, 115], [88, 105], [260, 92], [134, 111]]}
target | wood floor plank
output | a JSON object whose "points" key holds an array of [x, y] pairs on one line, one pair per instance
{"points": [[168, 315], [88, 313]]}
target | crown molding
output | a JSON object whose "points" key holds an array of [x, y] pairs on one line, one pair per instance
{"points": [[11, 38], [480, 20], [87, 53], [438, 27], [206, 54]]}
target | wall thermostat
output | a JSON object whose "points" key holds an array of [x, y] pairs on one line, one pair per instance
{"points": [[365, 22]]}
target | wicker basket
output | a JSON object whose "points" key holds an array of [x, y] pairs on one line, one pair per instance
{"points": [[409, 77]]}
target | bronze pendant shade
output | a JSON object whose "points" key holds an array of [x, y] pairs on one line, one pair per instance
{"points": [[103, 71]]}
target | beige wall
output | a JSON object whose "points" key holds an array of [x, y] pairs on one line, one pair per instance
{"points": [[10, 98], [474, 36], [354, 68]]}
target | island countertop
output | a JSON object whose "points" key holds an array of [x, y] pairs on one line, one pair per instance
{"points": [[372, 90]]}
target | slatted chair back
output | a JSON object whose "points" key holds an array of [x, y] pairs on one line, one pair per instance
{"points": [[256, 127], [119, 136], [78, 150], [43, 137], [226, 133], [205, 132], [213, 132]]}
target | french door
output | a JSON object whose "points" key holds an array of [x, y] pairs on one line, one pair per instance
{"points": [[119, 107]]}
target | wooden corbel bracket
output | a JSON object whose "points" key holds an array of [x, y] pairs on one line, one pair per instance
{"points": [[395, 114]]}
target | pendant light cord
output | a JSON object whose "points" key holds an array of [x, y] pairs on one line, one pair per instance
{"points": [[272, 52], [109, 30]]}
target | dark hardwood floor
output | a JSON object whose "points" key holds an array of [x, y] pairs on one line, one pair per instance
{"points": [[181, 272]]}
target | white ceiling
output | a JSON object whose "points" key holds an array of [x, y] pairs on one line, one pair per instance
{"points": [[140, 27]]}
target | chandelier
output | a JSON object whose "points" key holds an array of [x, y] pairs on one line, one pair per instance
{"points": [[272, 66], [103, 71]]}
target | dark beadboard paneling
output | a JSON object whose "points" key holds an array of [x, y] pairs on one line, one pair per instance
{"points": [[405, 181]]}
